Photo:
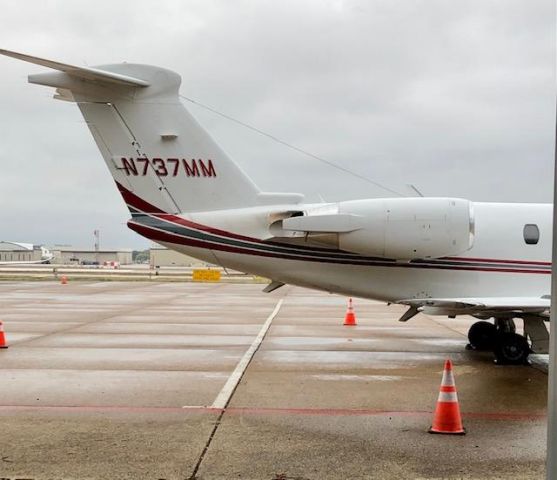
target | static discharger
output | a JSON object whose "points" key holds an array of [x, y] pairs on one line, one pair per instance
{"points": [[446, 418], [3, 343], [350, 317]]}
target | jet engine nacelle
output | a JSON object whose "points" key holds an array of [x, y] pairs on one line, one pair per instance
{"points": [[396, 228]]}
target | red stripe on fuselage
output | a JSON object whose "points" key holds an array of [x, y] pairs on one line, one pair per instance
{"points": [[493, 260], [140, 204], [163, 236], [137, 202], [144, 206]]}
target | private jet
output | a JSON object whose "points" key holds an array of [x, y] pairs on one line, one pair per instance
{"points": [[437, 256]]}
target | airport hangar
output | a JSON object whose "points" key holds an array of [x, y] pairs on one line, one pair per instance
{"points": [[66, 255], [19, 252], [71, 255]]}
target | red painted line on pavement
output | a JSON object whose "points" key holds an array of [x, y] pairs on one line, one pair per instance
{"points": [[268, 411]]}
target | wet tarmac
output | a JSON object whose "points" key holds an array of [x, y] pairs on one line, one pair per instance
{"points": [[124, 380]]}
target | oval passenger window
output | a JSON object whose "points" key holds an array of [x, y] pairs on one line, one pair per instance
{"points": [[531, 234]]}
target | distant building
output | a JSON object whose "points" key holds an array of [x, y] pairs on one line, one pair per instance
{"points": [[163, 257], [19, 252], [87, 256]]}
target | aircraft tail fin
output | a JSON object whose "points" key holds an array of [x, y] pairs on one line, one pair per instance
{"points": [[151, 144]]}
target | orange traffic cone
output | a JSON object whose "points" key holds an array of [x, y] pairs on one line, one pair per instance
{"points": [[64, 280], [446, 418], [3, 343], [350, 317]]}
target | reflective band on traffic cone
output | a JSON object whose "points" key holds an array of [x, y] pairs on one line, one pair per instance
{"points": [[350, 317], [446, 418], [3, 343]]}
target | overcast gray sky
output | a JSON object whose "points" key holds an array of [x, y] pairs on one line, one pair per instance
{"points": [[457, 98]]}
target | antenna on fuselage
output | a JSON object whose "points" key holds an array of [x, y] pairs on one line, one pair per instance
{"points": [[413, 187]]}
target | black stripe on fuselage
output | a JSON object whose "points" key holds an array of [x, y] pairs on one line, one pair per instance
{"points": [[221, 242]]}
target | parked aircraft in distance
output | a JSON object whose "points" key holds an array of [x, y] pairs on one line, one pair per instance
{"points": [[439, 256]]}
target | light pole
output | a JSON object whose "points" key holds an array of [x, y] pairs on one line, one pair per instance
{"points": [[97, 235]]}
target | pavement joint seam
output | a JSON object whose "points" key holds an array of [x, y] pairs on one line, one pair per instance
{"points": [[229, 387], [225, 395]]}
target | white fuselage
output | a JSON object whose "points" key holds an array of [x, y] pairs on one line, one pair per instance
{"points": [[500, 262]]}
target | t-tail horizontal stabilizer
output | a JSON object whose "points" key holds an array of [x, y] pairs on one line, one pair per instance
{"points": [[85, 73]]}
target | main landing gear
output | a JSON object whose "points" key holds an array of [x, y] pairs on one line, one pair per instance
{"points": [[482, 335], [509, 347]]}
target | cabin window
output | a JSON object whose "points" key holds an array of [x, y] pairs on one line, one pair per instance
{"points": [[531, 234]]}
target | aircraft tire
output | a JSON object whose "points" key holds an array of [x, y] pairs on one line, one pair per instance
{"points": [[511, 349], [482, 335]]}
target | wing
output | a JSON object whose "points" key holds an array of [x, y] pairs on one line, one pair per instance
{"points": [[481, 307]]}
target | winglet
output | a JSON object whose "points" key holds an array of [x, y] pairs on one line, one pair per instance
{"points": [[87, 73]]}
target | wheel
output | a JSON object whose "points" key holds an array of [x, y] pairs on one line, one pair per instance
{"points": [[511, 349], [482, 335]]}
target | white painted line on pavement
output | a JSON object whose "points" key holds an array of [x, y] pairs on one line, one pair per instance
{"points": [[224, 396]]}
